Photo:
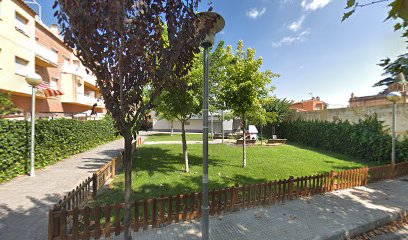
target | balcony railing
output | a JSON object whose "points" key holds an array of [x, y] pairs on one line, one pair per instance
{"points": [[79, 71], [46, 54], [23, 28], [84, 99], [21, 69]]}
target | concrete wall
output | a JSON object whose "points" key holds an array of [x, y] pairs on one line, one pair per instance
{"points": [[383, 112], [195, 125]]}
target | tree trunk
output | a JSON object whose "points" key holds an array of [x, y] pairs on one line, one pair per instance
{"points": [[127, 162], [171, 127], [261, 136], [184, 141], [244, 146], [212, 126], [222, 125]]}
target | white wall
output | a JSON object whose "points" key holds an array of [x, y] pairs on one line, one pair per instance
{"points": [[195, 125]]}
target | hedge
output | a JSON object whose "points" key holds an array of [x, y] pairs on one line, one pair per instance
{"points": [[55, 140], [366, 139]]}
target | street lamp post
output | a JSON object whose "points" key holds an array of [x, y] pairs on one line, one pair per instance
{"points": [[394, 97], [33, 80], [208, 42]]}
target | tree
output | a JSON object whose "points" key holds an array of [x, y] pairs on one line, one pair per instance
{"points": [[182, 101], [245, 86], [277, 110], [392, 69], [398, 11], [6, 105], [220, 59], [260, 118], [133, 56]]}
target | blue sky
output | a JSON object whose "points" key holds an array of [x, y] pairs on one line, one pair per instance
{"points": [[308, 45]]}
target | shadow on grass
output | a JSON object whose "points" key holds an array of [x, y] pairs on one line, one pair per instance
{"points": [[155, 190], [155, 159]]}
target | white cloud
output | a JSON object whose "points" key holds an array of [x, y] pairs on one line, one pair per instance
{"points": [[255, 13], [297, 25], [311, 5], [291, 39]]}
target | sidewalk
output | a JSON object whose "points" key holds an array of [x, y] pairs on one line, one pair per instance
{"points": [[331, 216], [24, 201]]}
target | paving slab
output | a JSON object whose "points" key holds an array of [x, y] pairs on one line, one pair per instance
{"points": [[335, 215], [24, 201]]}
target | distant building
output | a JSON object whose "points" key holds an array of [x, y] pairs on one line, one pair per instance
{"points": [[381, 99], [314, 104]]}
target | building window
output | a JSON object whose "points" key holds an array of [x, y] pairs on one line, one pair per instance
{"points": [[22, 24], [54, 83], [21, 66]]}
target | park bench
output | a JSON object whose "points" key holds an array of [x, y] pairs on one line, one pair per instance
{"points": [[248, 142], [275, 141]]}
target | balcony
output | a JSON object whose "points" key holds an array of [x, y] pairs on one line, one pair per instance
{"points": [[23, 28], [45, 57], [88, 100], [79, 71]]}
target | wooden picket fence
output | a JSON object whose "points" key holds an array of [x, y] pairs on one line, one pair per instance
{"points": [[80, 195], [103, 221]]}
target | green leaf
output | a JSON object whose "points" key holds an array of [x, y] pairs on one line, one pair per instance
{"points": [[347, 15], [397, 26], [350, 3]]}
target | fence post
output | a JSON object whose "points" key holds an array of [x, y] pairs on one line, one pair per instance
{"points": [[234, 199], [392, 171], [52, 224], [290, 187], [94, 185], [331, 180], [113, 165]]}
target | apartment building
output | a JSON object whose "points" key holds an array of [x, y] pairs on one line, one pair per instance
{"points": [[27, 45]]}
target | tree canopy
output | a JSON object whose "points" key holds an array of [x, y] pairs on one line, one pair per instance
{"points": [[245, 86], [135, 49], [398, 11], [182, 101], [392, 69]]}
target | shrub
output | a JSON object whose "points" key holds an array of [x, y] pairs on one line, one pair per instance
{"points": [[55, 140], [365, 139]]}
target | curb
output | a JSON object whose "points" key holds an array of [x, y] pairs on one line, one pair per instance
{"points": [[344, 233]]}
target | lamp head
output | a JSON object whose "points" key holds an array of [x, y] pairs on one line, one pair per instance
{"points": [[394, 96], [33, 79], [218, 25]]}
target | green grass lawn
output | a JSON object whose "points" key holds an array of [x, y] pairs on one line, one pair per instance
{"points": [[158, 169], [176, 137]]}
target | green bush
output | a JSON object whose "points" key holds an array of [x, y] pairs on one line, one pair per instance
{"points": [[55, 140], [365, 139]]}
